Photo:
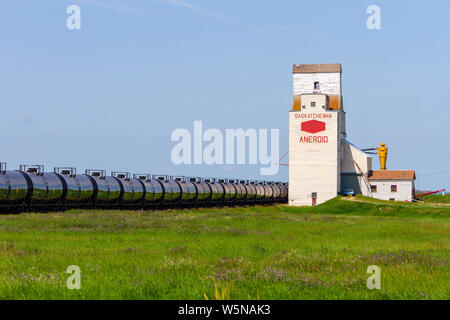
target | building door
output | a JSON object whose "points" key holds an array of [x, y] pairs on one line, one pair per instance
{"points": [[314, 198]]}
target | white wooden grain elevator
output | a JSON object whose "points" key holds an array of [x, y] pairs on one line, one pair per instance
{"points": [[322, 162]]}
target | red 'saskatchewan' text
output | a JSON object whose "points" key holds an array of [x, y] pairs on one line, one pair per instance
{"points": [[314, 116]]}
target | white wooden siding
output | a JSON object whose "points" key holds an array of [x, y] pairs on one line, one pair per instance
{"points": [[350, 155], [330, 83], [313, 167], [405, 189]]}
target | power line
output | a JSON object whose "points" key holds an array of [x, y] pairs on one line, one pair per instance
{"points": [[433, 174]]}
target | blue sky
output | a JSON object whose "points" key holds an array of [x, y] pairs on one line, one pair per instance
{"points": [[109, 95]]}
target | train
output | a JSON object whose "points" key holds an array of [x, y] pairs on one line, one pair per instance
{"points": [[32, 189]]}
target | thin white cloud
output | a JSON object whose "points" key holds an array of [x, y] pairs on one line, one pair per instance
{"points": [[284, 31], [104, 4], [192, 7], [133, 9]]}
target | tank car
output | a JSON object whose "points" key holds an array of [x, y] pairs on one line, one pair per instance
{"points": [[241, 191], [153, 189], [132, 189], [268, 191], [250, 199], [188, 190], [45, 189], [107, 190], [260, 191], [217, 191], [284, 192], [203, 191], [14, 189], [229, 191], [78, 188], [32, 188], [171, 190], [276, 191]]}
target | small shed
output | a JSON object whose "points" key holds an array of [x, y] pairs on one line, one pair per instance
{"points": [[395, 185]]}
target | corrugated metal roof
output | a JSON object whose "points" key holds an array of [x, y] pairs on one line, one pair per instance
{"points": [[392, 175], [317, 68]]}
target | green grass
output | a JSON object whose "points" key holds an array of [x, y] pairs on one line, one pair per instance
{"points": [[257, 252], [437, 198]]}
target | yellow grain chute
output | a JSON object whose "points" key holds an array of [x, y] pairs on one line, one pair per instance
{"points": [[382, 153]]}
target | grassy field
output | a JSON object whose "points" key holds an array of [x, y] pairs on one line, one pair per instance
{"points": [[235, 253], [437, 198]]}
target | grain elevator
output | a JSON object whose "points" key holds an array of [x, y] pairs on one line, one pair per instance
{"points": [[316, 128], [322, 162]]}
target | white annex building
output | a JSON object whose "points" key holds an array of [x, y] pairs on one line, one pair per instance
{"points": [[322, 163]]}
